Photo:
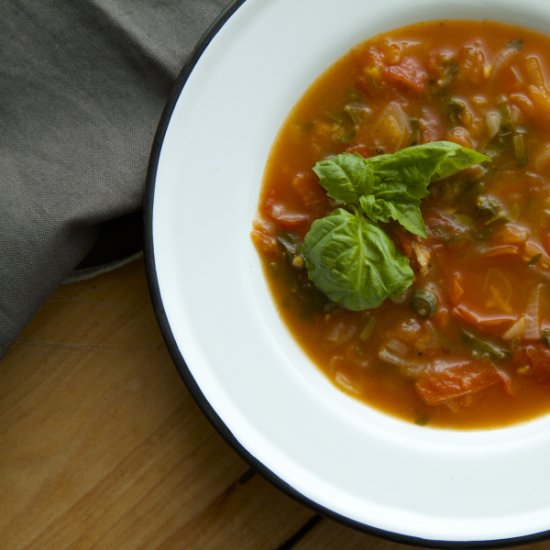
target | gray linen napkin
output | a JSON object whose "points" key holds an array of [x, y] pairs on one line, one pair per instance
{"points": [[83, 84]]}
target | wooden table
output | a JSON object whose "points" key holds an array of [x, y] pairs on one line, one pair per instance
{"points": [[102, 446]]}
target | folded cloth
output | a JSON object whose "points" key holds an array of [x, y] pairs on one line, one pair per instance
{"points": [[83, 87]]}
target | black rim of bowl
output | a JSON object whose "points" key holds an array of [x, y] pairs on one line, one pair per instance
{"points": [[184, 371]]}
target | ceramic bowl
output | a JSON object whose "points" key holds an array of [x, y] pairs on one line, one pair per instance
{"points": [[351, 462]]}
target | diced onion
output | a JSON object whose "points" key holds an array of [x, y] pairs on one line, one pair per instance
{"points": [[493, 120], [398, 346], [392, 128], [392, 358], [344, 381], [532, 314], [499, 290], [339, 333], [423, 256], [516, 331], [503, 60], [534, 71]]}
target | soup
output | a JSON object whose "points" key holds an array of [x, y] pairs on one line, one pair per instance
{"points": [[404, 223]]}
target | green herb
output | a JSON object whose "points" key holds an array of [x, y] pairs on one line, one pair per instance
{"points": [[455, 107], [535, 259], [356, 112], [506, 124], [354, 262], [353, 94], [422, 420], [484, 348], [450, 71], [488, 206], [520, 151], [510, 137], [399, 207], [348, 256], [346, 177], [419, 165], [346, 119], [415, 131], [515, 44], [366, 332], [545, 337]]}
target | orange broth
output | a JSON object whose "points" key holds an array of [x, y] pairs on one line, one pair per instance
{"points": [[482, 357]]}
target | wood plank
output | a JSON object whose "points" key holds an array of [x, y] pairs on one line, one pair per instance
{"points": [[329, 534], [102, 445]]}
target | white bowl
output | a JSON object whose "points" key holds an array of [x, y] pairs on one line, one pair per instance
{"points": [[253, 381]]}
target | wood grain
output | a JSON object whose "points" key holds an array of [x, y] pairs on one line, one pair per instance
{"points": [[102, 446]]}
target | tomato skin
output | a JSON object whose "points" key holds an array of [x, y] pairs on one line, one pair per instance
{"points": [[409, 73], [364, 150], [456, 290], [373, 69], [431, 125], [443, 228], [488, 324], [535, 358], [307, 188], [540, 97], [472, 60], [283, 216], [264, 242], [438, 387]]}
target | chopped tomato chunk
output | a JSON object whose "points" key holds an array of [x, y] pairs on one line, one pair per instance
{"points": [[456, 381], [456, 291], [534, 356], [409, 73], [307, 187], [364, 150], [525, 105], [482, 322], [500, 251], [284, 217], [472, 62], [263, 241], [511, 234], [541, 100], [431, 125], [460, 136]]}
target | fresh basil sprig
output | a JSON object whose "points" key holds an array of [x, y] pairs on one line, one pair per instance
{"points": [[350, 258]]}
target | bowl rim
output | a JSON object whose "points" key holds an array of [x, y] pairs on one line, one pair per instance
{"points": [[162, 319]]}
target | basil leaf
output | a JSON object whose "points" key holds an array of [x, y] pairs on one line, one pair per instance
{"points": [[354, 262], [392, 201], [403, 210], [345, 177], [457, 158], [401, 180], [418, 165]]}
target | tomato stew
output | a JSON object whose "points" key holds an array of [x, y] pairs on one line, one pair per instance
{"points": [[468, 344]]}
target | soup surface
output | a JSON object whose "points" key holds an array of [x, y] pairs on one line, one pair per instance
{"points": [[465, 343]]}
